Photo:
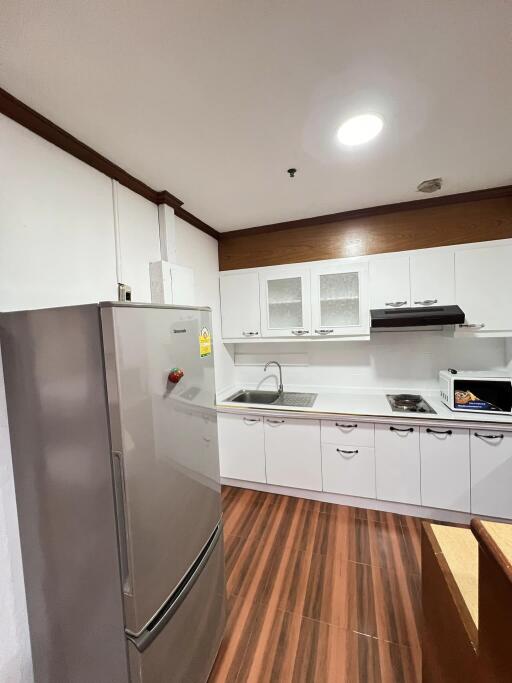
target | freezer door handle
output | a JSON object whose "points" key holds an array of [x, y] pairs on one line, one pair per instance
{"points": [[169, 608], [122, 529]]}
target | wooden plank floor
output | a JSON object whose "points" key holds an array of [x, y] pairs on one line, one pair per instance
{"points": [[318, 593]]}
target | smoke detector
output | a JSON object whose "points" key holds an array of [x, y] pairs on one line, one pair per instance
{"points": [[432, 185]]}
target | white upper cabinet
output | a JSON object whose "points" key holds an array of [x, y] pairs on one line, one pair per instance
{"points": [[240, 305], [285, 302], [390, 282], [483, 287], [432, 277], [339, 300], [332, 298]]}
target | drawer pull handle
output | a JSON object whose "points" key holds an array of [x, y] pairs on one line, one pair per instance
{"points": [[300, 333], [427, 302], [473, 326], [250, 334], [395, 304], [275, 422], [343, 426], [489, 436], [324, 331], [439, 431], [251, 420], [402, 429], [342, 452]]}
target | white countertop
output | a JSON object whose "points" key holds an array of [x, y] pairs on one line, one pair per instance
{"points": [[371, 405]]}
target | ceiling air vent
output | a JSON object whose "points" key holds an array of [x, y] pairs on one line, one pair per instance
{"points": [[432, 185]]}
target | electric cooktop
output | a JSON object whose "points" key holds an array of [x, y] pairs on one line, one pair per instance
{"points": [[409, 403]]}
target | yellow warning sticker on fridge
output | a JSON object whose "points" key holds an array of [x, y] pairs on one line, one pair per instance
{"points": [[205, 343]]}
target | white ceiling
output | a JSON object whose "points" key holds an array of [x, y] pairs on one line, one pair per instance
{"points": [[213, 100]]}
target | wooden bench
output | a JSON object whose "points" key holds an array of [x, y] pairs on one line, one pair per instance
{"points": [[467, 603]]}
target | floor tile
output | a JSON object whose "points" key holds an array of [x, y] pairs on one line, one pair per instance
{"points": [[241, 620], [319, 592], [288, 648]]}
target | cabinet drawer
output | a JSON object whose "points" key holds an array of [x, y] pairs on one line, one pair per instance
{"points": [[491, 472], [347, 432], [241, 447], [350, 471], [292, 451], [445, 479], [397, 463]]}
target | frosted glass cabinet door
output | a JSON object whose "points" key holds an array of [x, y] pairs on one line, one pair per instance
{"points": [[339, 300], [286, 303]]}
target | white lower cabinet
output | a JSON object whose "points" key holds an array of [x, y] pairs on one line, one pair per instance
{"points": [[397, 458], [241, 447], [446, 468], [491, 473], [349, 470], [445, 474], [292, 449]]}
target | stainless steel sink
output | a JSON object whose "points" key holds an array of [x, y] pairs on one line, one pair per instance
{"points": [[290, 399]]}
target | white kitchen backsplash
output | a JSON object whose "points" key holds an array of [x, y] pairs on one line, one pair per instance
{"points": [[403, 360], [508, 354]]}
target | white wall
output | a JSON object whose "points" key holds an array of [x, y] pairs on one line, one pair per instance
{"points": [[390, 360], [56, 225], [57, 247], [139, 241], [199, 251], [15, 658], [509, 355]]}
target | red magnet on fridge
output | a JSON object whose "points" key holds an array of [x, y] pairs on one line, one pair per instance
{"points": [[175, 375]]}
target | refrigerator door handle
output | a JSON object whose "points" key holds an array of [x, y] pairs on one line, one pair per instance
{"points": [[169, 608], [122, 529]]}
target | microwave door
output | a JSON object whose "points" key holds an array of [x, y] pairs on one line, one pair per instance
{"points": [[482, 395], [166, 458]]}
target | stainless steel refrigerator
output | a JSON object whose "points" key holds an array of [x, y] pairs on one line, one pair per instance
{"points": [[114, 442]]}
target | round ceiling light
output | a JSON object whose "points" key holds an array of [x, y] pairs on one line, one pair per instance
{"points": [[360, 129]]}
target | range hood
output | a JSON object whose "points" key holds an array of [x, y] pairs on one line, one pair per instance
{"points": [[416, 317]]}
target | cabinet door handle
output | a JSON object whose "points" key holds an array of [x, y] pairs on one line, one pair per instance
{"points": [[438, 431], [473, 326], [402, 429], [395, 304], [251, 420], [489, 436], [344, 426], [275, 422], [342, 452], [321, 331], [250, 334], [300, 332], [427, 302]]}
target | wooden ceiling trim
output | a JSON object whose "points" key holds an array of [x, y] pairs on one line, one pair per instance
{"points": [[365, 234], [416, 204]]}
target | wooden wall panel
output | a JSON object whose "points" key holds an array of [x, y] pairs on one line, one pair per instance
{"points": [[397, 230]]}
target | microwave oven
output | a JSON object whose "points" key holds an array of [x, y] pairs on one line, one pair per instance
{"points": [[476, 392]]}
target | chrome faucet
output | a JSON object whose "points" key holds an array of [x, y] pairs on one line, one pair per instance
{"points": [[274, 362]]}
